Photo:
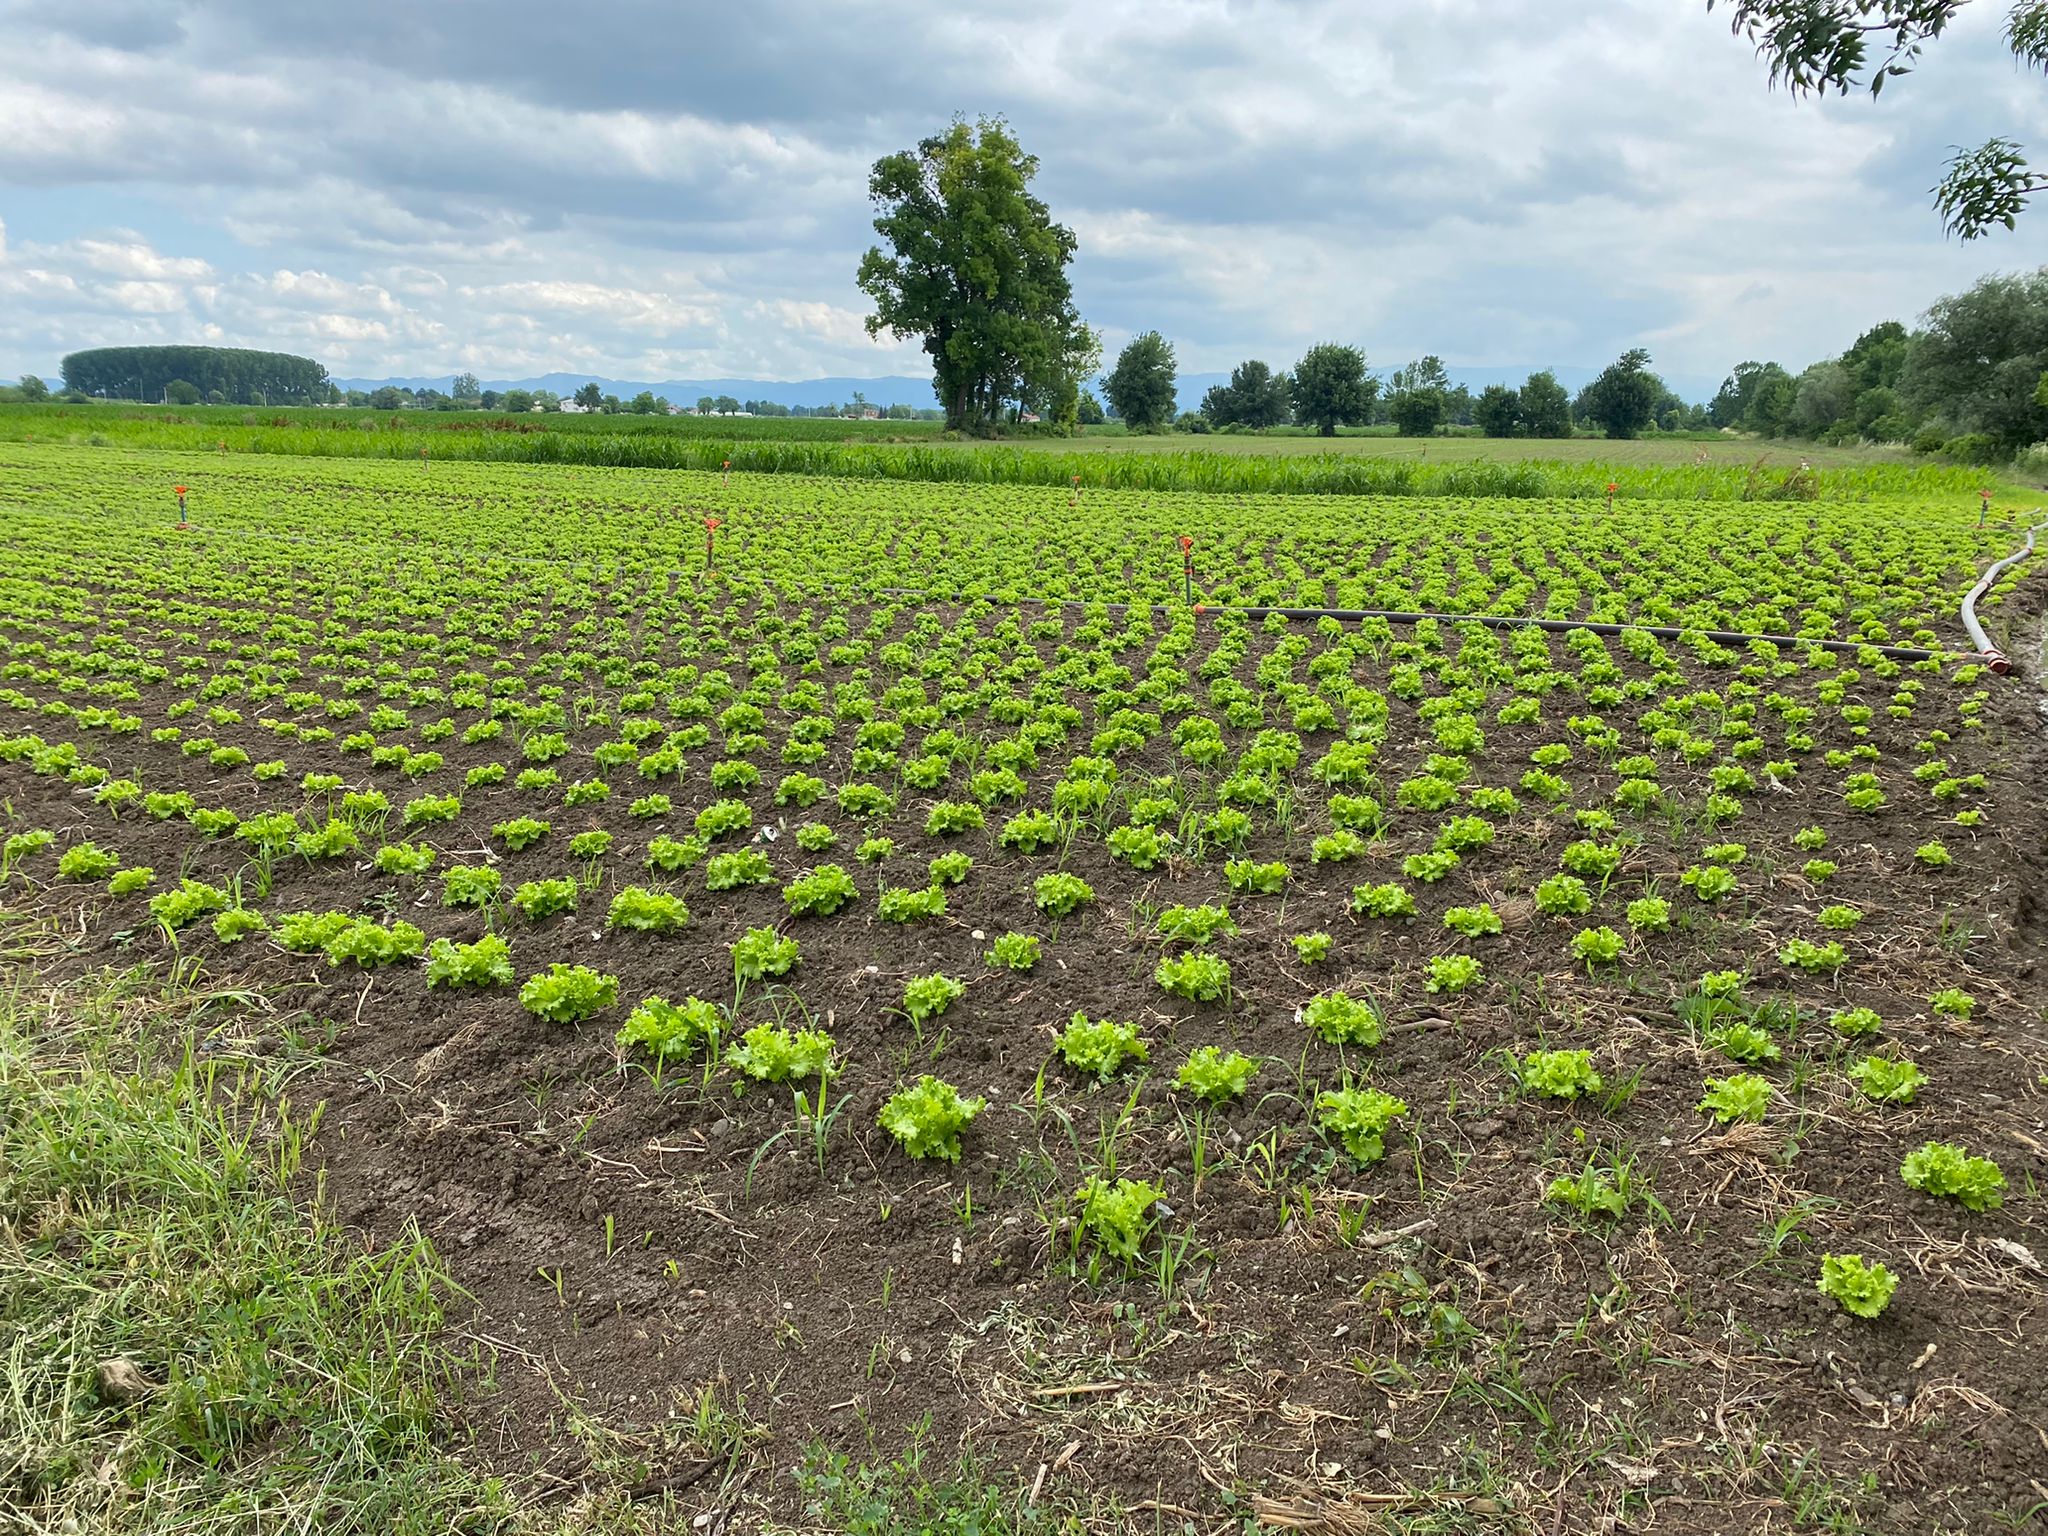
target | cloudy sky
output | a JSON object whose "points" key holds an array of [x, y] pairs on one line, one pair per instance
{"points": [[652, 191]]}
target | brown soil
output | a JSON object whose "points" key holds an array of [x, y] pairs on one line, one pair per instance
{"points": [[1426, 1327]]}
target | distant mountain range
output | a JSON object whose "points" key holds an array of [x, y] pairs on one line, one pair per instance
{"points": [[894, 389]]}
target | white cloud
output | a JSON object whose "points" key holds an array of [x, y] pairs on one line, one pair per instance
{"points": [[1498, 181]]}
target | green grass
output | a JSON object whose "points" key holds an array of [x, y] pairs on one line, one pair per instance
{"points": [[1365, 463], [899, 1497], [184, 1348]]}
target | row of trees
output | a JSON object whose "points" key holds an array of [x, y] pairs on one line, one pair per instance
{"points": [[1972, 380], [1330, 388], [187, 375], [973, 266]]}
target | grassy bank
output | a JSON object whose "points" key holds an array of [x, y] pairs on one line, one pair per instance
{"points": [[187, 1347]]}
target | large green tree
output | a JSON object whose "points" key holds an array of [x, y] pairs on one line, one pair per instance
{"points": [[1331, 387], [1546, 408], [1498, 410], [1624, 399], [1878, 356], [1824, 395], [1747, 396], [1255, 397], [1417, 412], [1980, 359], [1816, 46], [1140, 387], [975, 266]]}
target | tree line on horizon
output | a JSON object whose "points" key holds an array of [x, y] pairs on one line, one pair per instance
{"points": [[1330, 387], [973, 266], [976, 269]]}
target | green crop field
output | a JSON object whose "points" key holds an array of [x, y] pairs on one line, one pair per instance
{"points": [[778, 952]]}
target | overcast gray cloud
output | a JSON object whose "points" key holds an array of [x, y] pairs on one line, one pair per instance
{"points": [[657, 191]]}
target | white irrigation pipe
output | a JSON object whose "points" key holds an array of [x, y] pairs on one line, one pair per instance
{"points": [[1993, 657]]}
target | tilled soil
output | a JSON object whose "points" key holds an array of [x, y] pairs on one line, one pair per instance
{"points": [[1427, 1331]]}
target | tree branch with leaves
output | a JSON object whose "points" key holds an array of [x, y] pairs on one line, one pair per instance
{"points": [[1816, 46]]}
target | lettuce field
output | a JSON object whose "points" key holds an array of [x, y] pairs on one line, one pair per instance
{"points": [[838, 964]]}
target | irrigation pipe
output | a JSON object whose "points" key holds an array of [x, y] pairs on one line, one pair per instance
{"points": [[1993, 656]]}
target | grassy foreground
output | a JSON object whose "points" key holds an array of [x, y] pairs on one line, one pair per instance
{"points": [[187, 1348]]}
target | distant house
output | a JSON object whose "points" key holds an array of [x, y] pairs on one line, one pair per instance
{"points": [[870, 413], [571, 408]]}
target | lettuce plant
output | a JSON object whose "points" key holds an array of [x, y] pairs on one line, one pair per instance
{"points": [[1358, 1117], [1337, 1018], [1214, 1076], [1473, 922], [1741, 1096], [237, 924], [1197, 976], [192, 900], [1888, 1081], [904, 905], [1452, 973], [926, 997], [469, 885], [1312, 948], [927, 1118], [1059, 894], [819, 892], [567, 994], [668, 1030], [669, 854], [538, 900], [1100, 1047], [1944, 1169], [771, 1053], [762, 952], [640, 910], [520, 832], [413, 859], [370, 945], [1558, 1074], [1014, 951], [1862, 1288], [486, 963], [1388, 900], [1117, 1217], [1194, 925]]}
